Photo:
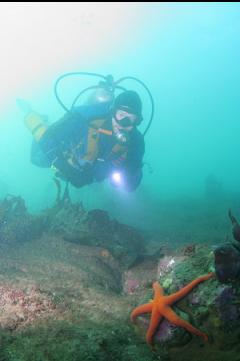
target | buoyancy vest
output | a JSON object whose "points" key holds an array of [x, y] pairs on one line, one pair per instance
{"points": [[117, 154]]}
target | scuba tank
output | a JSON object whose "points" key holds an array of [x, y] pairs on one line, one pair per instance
{"points": [[100, 95], [103, 92]]}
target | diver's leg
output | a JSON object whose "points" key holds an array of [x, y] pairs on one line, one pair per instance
{"points": [[24, 106], [35, 122], [49, 140]]}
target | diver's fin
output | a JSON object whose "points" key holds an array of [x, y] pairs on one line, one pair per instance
{"points": [[24, 106]]}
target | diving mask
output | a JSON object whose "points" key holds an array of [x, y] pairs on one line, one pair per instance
{"points": [[125, 118]]}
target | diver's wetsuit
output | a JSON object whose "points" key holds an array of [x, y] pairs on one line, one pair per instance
{"points": [[69, 136]]}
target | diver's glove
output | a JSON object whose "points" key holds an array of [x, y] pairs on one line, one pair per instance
{"points": [[24, 106]]}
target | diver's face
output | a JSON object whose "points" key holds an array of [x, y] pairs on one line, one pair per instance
{"points": [[125, 119]]}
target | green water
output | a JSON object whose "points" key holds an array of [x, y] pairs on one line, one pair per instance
{"points": [[188, 55]]}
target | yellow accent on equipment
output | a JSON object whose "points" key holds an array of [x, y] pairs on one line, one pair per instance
{"points": [[94, 132], [93, 137], [105, 131], [35, 123]]}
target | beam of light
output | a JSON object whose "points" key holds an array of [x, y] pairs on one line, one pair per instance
{"points": [[117, 178]]}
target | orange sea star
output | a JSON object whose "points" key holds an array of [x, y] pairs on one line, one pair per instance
{"points": [[160, 307]]}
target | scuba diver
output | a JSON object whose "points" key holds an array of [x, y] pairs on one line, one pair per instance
{"points": [[93, 141]]}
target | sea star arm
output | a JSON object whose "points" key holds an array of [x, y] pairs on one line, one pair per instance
{"points": [[185, 290], [155, 319], [158, 290], [176, 320], [146, 308]]}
